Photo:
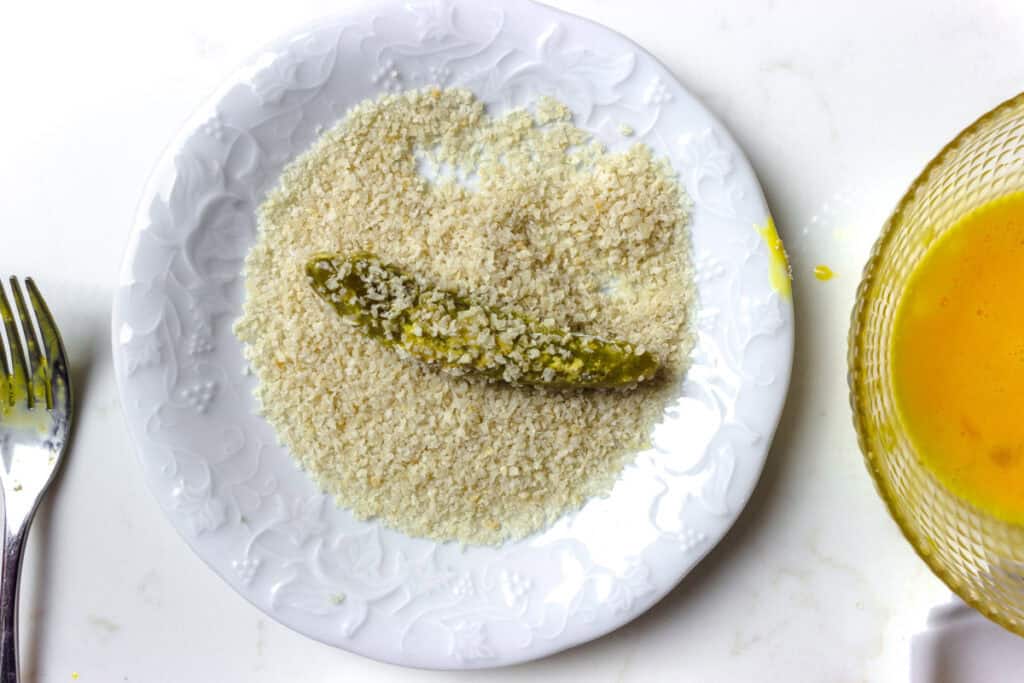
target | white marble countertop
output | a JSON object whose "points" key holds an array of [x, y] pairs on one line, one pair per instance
{"points": [[838, 107]]}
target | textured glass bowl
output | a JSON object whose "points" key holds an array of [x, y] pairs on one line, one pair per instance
{"points": [[979, 557]]}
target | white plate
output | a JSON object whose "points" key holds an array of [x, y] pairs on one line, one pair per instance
{"points": [[236, 496]]}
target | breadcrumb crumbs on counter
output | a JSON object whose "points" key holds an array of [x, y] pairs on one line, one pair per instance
{"points": [[582, 239], [626, 130]]}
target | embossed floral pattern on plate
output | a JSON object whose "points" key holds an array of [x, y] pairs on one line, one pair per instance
{"points": [[235, 495]]}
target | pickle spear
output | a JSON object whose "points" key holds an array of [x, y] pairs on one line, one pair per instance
{"points": [[459, 336]]}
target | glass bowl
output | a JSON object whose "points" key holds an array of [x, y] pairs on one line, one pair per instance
{"points": [[978, 556]]}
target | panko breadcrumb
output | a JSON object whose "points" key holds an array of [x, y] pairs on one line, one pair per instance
{"points": [[525, 211]]}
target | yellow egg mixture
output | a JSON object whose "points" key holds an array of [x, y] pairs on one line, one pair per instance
{"points": [[958, 358]]}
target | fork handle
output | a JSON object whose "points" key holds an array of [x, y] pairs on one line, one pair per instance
{"points": [[14, 545]]}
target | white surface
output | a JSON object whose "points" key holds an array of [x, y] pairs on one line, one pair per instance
{"points": [[837, 108], [239, 499], [961, 646]]}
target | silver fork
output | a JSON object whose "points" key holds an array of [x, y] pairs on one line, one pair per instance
{"points": [[35, 418]]}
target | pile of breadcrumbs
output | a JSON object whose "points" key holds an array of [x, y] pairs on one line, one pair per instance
{"points": [[523, 211]]}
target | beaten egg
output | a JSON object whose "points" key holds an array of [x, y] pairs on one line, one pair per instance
{"points": [[958, 358]]}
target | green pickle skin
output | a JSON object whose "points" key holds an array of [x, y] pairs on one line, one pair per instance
{"points": [[444, 330]]}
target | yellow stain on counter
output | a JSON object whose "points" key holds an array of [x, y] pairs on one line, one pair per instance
{"points": [[779, 273], [823, 272]]}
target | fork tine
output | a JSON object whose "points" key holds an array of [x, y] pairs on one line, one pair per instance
{"points": [[55, 356], [19, 375], [6, 390], [38, 384]]}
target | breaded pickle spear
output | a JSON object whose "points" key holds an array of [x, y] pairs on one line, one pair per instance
{"points": [[453, 333]]}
